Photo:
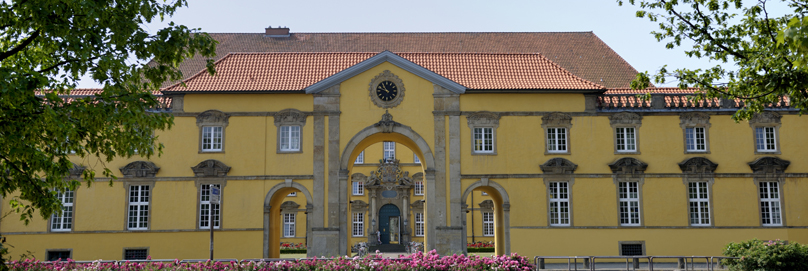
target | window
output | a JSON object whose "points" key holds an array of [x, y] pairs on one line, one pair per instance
{"points": [[290, 138], [559, 203], [557, 140], [418, 190], [766, 126], [212, 124], [419, 224], [389, 151], [290, 123], [699, 203], [488, 224], [484, 140], [632, 248], [358, 224], [765, 139], [361, 158], [415, 158], [484, 193], [63, 220], [289, 225], [626, 139], [696, 128], [212, 138], [695, 140], [770, 204], [629, 203], [205, 208], [358, 188], [138, 218], [293, 194], [626, 125], [135, 254], [58, 255], [483, 126]]}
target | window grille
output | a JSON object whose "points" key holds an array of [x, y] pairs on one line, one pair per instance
{"points": [[389, 151], [631, 250], [488, 224], [557, 140], [358, 188], [288, 225], [484, 139], [626, 139], [135, 254], [290, 138], [765, 139], [63, 220], [770, 204], [358, 224], [695, 139], [629, 203], [699, 200], [559, 204]]}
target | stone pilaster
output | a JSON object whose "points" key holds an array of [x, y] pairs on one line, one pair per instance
{"points": [[327, 103]]}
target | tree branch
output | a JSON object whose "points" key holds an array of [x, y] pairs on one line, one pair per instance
{"points": [[60, 63], [769, 29], [706, 33], [20, 46]]}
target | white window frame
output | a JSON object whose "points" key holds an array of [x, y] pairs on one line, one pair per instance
{"points": [[360, 159], [293, 194], [415, 158], [212, 138], [557, 140], [419, 224], [488, 224], [62, 220], [289, 225], [771, 211], [358, 224], [389, 153], [483, 139], [559, 206], [418, 188], [625, 140], [205, 208], [138, 210], [625, 209], [358, 188], [289, 137], [696, 139], [698, 194], [766, 139]]}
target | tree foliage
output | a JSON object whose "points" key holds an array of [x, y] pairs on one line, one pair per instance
{"points": [[762, 55], [45, 47], [766, 255]]}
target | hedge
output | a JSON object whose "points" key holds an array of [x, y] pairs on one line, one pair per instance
{"points": [[480, 249], [293, 251]]}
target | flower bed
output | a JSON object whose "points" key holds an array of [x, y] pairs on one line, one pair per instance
{"points": [[292, 248], [419, 261], [480, 247]]}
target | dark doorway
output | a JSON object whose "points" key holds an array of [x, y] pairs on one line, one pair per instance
{"points": [[385, 213]]}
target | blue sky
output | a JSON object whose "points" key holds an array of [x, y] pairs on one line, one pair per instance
{"points": [[616, 25]]}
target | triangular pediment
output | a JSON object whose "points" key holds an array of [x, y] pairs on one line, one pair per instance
{"points": [[380, 58]]}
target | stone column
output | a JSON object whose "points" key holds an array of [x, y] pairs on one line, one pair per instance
{"points": [[373, 220], [405, 229], [326, 103], [343, 210]]}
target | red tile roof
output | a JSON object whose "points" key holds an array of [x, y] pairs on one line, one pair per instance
{"points": [[670, 90], [251, 72], [164, 100], [581, 53]]}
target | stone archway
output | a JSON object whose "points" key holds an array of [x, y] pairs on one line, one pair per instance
{"points": [[502, 210], [272, 204], [389, 130]]}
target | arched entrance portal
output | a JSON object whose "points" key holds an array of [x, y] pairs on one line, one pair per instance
{"points": [[272, 215], [501, 210], [390, 224], [388, 130]]}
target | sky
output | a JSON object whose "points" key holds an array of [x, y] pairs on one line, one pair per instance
{"points": [[616, 25]]}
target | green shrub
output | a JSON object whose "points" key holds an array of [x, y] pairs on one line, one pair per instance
{"points": [[293, 251], [480, 249], [766, 255]]}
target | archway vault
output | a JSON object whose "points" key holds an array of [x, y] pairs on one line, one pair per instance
{"points": [[502, 210], [389, 130], [272, 203]]}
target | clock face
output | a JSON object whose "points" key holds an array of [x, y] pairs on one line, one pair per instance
{"points": [[387, 91]]}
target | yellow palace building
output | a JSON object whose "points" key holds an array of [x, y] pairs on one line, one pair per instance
{"points": [[530, 140]]}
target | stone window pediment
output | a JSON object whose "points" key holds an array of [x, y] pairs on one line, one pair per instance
{"points": [[558, 166], [290, 117], [210, 168], [483, 119], [139, 169], [483, 125], [628, 165], [769, 165], [698, 165], [212, 130], [212, 117], [487, 205]]}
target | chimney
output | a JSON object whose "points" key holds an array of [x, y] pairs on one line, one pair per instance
{"points": [[280, 32]]}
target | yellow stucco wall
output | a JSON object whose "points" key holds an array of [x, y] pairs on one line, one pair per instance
{"points": [[251, 150]]}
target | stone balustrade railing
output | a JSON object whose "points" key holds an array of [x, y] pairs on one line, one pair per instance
{"points": [[631, 102]]}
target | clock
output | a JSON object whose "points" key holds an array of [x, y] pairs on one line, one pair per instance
{"points": [[386, 90]]}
